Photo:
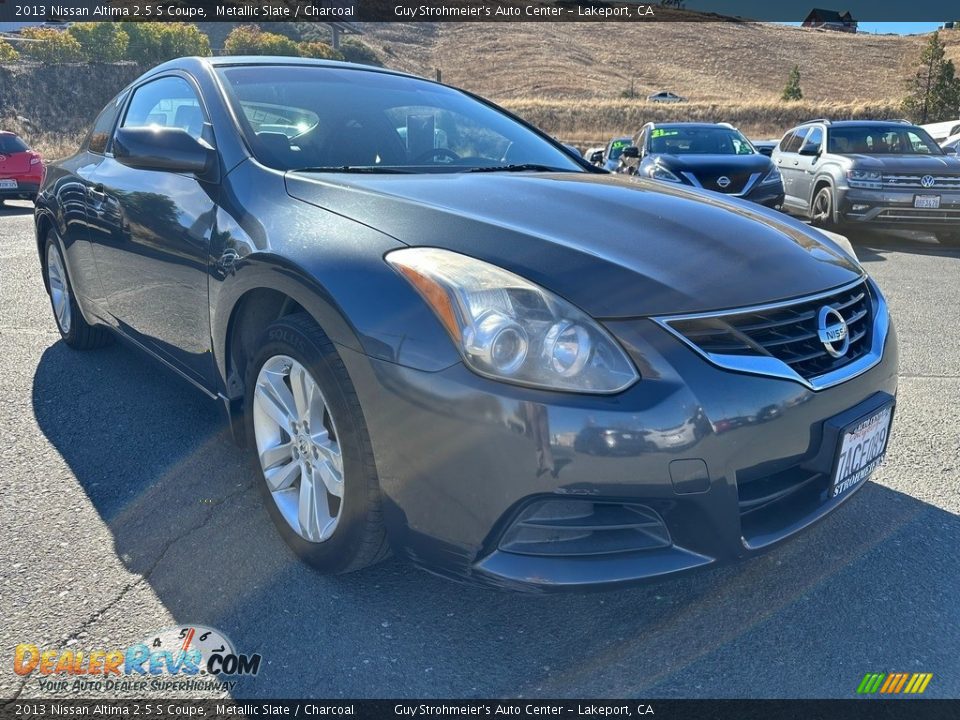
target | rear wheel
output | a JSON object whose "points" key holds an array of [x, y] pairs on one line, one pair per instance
{"points": [[75, 331], [821, 213], [318, 475]]}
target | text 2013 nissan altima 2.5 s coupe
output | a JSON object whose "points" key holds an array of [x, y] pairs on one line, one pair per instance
{"points": [[436, 326]]}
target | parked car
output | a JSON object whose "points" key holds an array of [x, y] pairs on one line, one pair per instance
{"points": [[405, 337], [713, 157], [21, 169], [765, 147], [951, 145], [608, 157], [665, 97], [940, 131], [878, 174]]}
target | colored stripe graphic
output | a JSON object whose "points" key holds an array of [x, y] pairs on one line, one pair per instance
{"points": [[894, 683]]}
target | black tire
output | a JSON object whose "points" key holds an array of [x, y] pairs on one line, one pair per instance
{"points": [[949, 239], [359, 539], [822, 209], [80, 335]]}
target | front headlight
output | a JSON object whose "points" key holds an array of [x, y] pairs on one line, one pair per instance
{"points": [[509, 329], [867, 179], [658, 172], [773, 176]]}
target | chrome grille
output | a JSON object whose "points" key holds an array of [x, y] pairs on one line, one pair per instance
{"points": [[913, 182], [785, 331]]}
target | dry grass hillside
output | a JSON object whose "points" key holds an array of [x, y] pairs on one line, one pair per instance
{"points": [[570, 78]]}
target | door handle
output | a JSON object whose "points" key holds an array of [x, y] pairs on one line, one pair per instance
{"points": [[796, 162]]}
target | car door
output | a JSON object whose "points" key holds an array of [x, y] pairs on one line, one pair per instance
{"points": [[788, 162], [807, 163], [152, 249]]}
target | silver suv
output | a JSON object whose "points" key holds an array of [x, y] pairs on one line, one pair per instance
{"points": [[888, 174]]}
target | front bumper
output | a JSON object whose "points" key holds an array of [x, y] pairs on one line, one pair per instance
{"points": [[770, 195], [891, 209], [460, 457]]}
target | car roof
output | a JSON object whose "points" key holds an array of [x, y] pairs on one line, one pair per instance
{"points": [[866, 123], [188, 63], [689, 125]]}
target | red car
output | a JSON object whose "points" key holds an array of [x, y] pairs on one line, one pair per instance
{"points": [[21, 169]]}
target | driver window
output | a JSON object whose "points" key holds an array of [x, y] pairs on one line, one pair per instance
{"points": [[168, 102], [814, 139]]}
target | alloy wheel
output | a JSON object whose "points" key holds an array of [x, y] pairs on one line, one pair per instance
{"points": [[821, 207], [298, 448], [59, 289]]}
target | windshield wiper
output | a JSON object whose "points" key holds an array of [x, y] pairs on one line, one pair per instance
{"points": [[519, 167], [373, 169]]}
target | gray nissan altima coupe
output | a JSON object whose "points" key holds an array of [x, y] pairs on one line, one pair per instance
{"points": [[440, 332]]}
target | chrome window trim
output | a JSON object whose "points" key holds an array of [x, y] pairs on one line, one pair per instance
{"points": [[771, 366]]}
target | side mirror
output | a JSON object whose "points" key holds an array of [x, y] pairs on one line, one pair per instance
{"points": [[631, 151], [596, 157], [169, 149], [810, 150], [949, 150]]}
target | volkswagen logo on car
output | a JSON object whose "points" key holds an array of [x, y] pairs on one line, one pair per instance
{"points": [[832, 331], [928, 181]]}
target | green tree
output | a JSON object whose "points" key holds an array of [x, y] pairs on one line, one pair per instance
{"points": [[934, 90], [53, 47], [251, 40], [101, 42], [358, 52], [316, 49], [155, 42], [792, 89], [7, 53]]}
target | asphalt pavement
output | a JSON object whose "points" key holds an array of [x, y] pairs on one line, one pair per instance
{"points": [[126, 509]]}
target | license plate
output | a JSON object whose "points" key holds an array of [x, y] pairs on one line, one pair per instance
{"points": [[862, 446], [927, 202], [8, 184]]}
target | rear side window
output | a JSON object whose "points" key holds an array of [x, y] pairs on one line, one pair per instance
{"points": [[102, 129], [10, 144], [792, 140]]}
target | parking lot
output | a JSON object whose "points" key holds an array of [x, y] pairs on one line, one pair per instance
{"points": [[127, 510]]}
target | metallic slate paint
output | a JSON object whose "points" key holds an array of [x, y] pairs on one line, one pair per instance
{"points": [[622, 249]]}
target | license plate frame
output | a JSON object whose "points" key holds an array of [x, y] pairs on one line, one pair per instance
{"points": [[869, 427], [8, 184], [926, 202]]}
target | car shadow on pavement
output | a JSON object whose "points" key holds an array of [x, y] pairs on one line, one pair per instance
{"points": [[807, 619], [11, 210], [871, 245]]}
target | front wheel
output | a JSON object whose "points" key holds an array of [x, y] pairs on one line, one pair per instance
{"points": [[75, 331], [318, 475], [821, 213]]}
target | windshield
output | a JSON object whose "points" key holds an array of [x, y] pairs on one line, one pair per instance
{"points": [[699, 141], [616, 148], [10, 144], [867, 140], [314, 117]]}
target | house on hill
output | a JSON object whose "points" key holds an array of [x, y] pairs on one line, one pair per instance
{"points": [[831, 20]]}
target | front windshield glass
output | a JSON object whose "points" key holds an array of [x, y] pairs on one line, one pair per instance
{"points": [[312, 117], [616, 148], [881, 140], [699, 141]]}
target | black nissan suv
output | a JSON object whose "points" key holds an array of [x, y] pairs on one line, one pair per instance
{"points": [[705, 155], [883, 174]]}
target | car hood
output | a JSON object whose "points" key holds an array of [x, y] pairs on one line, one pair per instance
{"points": [[617, 247], [907, 163], [715, 164]]}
